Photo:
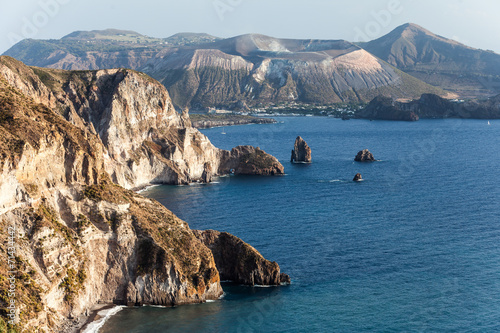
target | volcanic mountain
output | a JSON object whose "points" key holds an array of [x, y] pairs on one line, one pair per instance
{"points": [[439, 61], [202, 71]]}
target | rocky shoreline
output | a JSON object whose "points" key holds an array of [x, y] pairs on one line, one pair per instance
{"points": [[202, 121], [84, 321], [68, 161]]}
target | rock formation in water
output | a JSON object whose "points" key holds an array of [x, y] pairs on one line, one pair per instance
{"points": [[69, 144], [364, 156], [358, 177], [239, 262], [248, 160], [301, 151]]}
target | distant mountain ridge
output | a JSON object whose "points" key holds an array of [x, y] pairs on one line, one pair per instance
{"points": [[258, 69], [201, 71], [109, 33], [99, 49], [439, 61]]}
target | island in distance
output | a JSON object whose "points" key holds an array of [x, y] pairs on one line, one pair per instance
{"points": [[253, 70], [430, 106], [261, 72]]}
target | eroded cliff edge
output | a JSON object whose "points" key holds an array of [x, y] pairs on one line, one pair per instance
{"points": [[69, 144], [145, 140], [239, 262]]}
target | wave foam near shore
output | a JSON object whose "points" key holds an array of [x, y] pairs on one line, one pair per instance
{"points": [[104, 315]]}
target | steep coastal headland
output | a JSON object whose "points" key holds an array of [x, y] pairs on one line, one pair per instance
{"points": [[72, 146]]}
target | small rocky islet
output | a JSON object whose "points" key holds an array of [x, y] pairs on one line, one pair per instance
{"points": [[364, 156], [301, 152], [358, 177]]}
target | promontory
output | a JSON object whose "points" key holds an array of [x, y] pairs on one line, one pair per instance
{"points": [[72, 145]]}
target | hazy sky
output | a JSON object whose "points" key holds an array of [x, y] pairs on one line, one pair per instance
{"points": [[472, 22]]}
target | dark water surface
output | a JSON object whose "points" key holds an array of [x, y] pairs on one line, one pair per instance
{"points": [[413, 248]]}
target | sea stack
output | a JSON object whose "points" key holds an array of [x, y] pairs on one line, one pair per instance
{"points": [[207, 174], [358, 177], [301, 151], [364, 156]]}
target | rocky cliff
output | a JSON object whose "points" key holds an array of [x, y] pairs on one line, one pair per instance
{"points": [[239, 262], [145, 139], [248, 160], [68, 140]]}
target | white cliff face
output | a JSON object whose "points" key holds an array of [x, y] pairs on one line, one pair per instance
{"points": [[217, 58], [357, 69], [145, 140], [79, 253], [81, 239], [66, 146]]}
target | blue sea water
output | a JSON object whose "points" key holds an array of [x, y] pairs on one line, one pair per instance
{"points": [[415, 247]]}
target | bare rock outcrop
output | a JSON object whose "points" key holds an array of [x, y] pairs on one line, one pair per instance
{"points": [[239, 262], [206, 177], [364, 156], [248, 160], [301, 151], [358, 177]]}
